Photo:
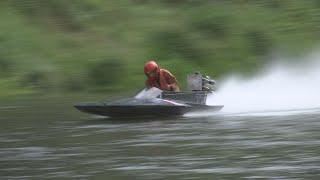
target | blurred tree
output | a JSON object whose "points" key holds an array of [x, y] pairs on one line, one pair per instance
{"points": [[74, 83], [259, 42], [5, 64], [4, 67], [175, 45], [37, 79], [274, 4], [59, 12], [213, 24], [105, 73], [212, 36], [185, 2]]}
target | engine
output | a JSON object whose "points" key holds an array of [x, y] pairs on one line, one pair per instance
{"points": [[199, 82]]}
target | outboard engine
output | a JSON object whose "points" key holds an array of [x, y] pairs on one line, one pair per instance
{"points": [[199, 86], [200, 82]]}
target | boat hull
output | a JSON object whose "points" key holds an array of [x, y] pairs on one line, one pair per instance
{"points": [[134, 111], [151, 102], [142, 110]]}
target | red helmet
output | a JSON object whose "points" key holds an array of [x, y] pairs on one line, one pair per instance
{"points": [[150, 66]]}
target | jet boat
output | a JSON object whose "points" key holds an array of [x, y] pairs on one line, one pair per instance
{"points": [[155, 102]]}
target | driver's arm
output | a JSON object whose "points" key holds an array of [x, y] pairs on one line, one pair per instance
{"points": [[148, 84], [171, 81]]}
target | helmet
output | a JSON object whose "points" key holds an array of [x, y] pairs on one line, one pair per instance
{"points": [[150, 66]]}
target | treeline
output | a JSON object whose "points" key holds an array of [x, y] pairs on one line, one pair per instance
{"points": [[98, 45]]}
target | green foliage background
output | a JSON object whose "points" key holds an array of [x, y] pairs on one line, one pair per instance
{"points": [[101, 45]]}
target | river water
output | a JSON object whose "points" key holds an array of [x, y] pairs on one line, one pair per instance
{"points": [[54, 141]]}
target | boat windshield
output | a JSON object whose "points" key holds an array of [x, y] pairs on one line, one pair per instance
{"points": [[149, 93]]}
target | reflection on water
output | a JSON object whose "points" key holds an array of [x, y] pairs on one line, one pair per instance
{"points": [[60, 142]]}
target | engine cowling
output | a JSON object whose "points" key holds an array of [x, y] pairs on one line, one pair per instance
{"points": [[199, 82]]}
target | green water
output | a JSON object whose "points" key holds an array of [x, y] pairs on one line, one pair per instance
{"points": [[48, 139]]}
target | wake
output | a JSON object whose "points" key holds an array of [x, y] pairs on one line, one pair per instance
{"points": [[281, 87]]}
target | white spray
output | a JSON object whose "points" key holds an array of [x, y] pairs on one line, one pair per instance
{"points": [[280, 87]]}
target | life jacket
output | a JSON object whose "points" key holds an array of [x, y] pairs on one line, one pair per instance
{"points": [[164, 79]]}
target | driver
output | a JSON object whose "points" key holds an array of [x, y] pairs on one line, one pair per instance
{"points": [[159, 78]]}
